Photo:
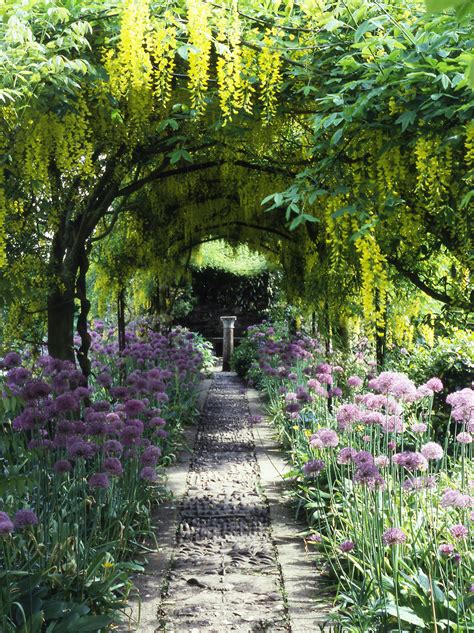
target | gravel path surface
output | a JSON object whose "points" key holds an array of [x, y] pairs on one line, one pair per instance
{"points": [[225, 575]]}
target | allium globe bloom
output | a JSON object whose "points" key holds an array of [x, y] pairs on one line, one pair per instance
{"points": [[35, 389], [394, 536], [419, 427], [291, 396], [99, 480], [313, 467], [446, 549], [423, 392], [12, 359], [346, 455], [455, 499], [462, 403], [112, 466], [148, 473], [347, 546], [6, 524], [335, 392], [18, 376], [62, 466], [432, 450], [382, 461], [347, 414], [324, 438], [395, 384], [160, 433], [393, 424], [151, 455], [134, 407], [354, 382], [411, 460], [369, 475], [81, 449], [372, 418], [435, 384], [66, 402], [157, 421], [363, 457], [24, 519], [459, 531], [313, 383], [464, 438]]}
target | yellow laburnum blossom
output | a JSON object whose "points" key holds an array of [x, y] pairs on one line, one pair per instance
{"points": [[161, 43], [469, 144], [270, 76], [199, 38], [230, 67]]}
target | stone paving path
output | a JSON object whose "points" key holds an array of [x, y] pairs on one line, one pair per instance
{"points": [[225, 574], [231, 557]]}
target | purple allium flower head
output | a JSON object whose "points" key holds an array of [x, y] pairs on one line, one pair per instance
{"points": [[363, 457], [335, 392], [134, 407], [459, 531], [81, 449], [462, 403], [446, 549], [411, 460], [393, 424], [382, 461], [6, 524], [464, 438], [419, 427], [435, 384], [432, 450], [324, 438], [394, 536], [391, 445], [12, 359], [113, 466], [148, 473], [354, 382], [347, 546], [99, 480], [151, 455], [313, 467], [396, 384], [66, 402], [346, 455], [313, 383], [24, 518], [369, 475], [35, 389], [62, 466], [346, 414]]}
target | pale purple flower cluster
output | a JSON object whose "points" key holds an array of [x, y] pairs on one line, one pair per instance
{"points": [[394, 536], [411, 460], [432, 451], [313, 467], [324, 438], [462, 403]]}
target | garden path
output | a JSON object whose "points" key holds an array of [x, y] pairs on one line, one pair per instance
{"points": [[237, 562]]}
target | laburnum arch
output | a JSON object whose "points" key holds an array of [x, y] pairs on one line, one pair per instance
{"points": [[162, 119]]}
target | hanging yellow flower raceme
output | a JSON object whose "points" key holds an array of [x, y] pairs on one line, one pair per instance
{"points": [[270, 75], [199, 38], [374, 280], [230, 65], [161, 43]]}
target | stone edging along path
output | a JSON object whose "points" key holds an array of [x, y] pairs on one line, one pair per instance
{"points": [[230, 555]]}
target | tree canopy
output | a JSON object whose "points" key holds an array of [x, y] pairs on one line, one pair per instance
{"points": [[146, 128]]}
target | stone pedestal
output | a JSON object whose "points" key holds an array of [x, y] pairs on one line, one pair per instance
{"points": [[228, 341]]}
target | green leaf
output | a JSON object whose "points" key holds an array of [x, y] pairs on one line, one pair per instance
{"points": [[406, 615], [406, 118]]}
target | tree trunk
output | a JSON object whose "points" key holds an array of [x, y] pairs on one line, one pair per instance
{"points": [[121, 319], [82, 329], [61, 323]]}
